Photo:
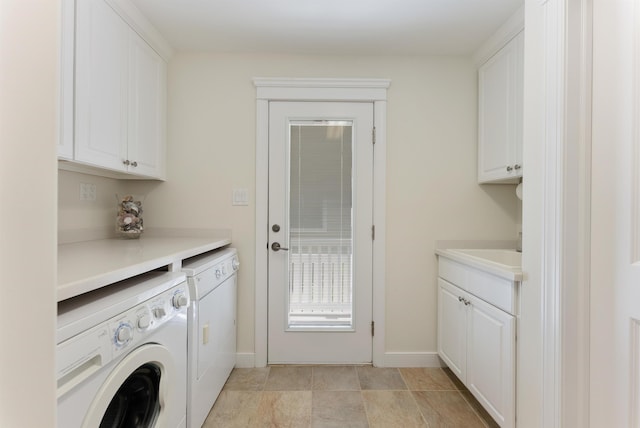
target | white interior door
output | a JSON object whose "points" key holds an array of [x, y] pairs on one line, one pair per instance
{"points": [[320, 232], [615, 276]]}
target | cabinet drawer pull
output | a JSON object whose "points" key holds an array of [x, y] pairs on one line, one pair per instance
{"points": [[517, 167], [134, 163], [509, 168], [126, 162]]}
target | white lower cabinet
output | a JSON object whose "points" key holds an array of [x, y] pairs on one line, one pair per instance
{"points": [[478, 343]]}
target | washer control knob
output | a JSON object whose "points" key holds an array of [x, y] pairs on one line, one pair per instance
{"points": [[218, 273], [159, 312], [235, 263], [124, 333], [179, 301], [144, 321]]}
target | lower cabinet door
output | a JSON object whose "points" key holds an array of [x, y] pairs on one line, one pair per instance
{"points": [[452, 326], [491, 359]]}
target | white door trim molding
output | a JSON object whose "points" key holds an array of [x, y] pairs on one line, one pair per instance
{"points": [[292, 89], [557, 208]]}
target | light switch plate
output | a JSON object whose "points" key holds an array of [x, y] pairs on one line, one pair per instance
{"points": [[240, 197]]}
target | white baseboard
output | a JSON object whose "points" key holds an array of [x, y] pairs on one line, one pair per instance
{"points": [[246, 360], [412, 359]]}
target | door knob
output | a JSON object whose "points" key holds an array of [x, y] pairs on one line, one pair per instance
{"points": [[276, 247]]}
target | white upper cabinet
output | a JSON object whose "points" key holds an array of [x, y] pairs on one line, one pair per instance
{"points": [[500, 92], [67, 41], [147, 107], [102, 80], [120, 97]]}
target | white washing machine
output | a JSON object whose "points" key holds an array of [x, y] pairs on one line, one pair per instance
{"points": [[212, 328], [122, 354]]}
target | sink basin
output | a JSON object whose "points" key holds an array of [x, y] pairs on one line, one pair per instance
{"points": [[510, 258]]}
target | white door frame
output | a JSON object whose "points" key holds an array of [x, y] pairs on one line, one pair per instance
{"points": [[553, 340], [303, 89]]}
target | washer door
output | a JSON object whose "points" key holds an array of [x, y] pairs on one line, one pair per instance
{"points": [[135, 393]]}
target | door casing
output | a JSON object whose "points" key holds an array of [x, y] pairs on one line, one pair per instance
{"points": [[276, 89]]}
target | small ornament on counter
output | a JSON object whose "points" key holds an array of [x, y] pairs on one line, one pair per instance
{"points": [[129, 219]]}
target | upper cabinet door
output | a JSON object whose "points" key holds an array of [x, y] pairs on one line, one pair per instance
{"points": [[500, 87], [67, 47], [147, 109], [102, 40]]}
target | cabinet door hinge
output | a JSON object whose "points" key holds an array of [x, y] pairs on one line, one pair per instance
{"points": [[373, 135], [373, 232], [373, 328]]}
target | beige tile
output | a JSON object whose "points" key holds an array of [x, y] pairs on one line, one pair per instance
{"points": [[335, 378], [283, 409], [291, 378], [427, 379], [338, 409], [380, 378], [484, 415], [392, 409], [233, 409], [446, 409], [247, 379]]}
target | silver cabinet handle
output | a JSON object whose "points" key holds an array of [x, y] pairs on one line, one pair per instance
{"points": [[126, 161], [517, 167], [134, 163], [276, 247], [509, 168]]}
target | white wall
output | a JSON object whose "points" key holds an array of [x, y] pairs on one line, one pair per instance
{"points": [[28, 63], [431, 176], [75, 214]]}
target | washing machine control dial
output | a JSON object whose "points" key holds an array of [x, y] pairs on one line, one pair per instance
{"points": [[144, 321], [159, 312], [218, 273], [179, 300], [124, 334], [235, 264]]}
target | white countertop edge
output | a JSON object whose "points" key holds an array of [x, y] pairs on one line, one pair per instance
{"points": [[481, 264], [102, 277]]}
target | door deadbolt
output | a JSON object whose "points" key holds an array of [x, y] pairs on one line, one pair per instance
{"points": [[275, 228]]}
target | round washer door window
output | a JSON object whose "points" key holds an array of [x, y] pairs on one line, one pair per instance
{"points": [[134, 393], [136, 403]]}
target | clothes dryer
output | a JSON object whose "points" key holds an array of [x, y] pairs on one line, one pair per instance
{"points": [[212, 283], [121, 354]]}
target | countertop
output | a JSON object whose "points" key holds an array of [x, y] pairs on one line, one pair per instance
{"points": [[502, 271], [89, 265]]}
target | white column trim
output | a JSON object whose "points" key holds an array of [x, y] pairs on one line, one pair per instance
{"points": [[565, 243], [552, 211], [574, 342], [305, 89]]}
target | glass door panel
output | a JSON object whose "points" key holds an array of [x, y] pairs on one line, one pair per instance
{"points": [[321, 224]]}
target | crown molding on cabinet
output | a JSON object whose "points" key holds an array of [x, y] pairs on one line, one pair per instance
{"points": [[141, 25], [502, 36]]}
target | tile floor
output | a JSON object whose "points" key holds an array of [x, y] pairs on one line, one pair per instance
{"points": [[346, 396]]}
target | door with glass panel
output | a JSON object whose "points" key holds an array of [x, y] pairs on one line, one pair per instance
{"points": [[320, 232]]}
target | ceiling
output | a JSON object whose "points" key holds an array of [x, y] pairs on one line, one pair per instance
{"points": [[342, 27]]}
